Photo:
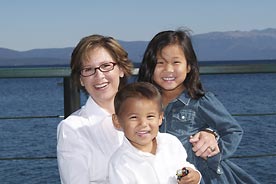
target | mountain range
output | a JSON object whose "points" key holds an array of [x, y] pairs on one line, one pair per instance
{"points": [[213, 46]]}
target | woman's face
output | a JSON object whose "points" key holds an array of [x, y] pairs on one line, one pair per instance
{"points": [[171, 69], [101, 86]]}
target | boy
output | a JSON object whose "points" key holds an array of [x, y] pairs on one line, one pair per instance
{"points": [[146, 156]]}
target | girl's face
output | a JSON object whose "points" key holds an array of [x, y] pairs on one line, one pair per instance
{"points": [[171, 69], [140, 120], [101, 86]]}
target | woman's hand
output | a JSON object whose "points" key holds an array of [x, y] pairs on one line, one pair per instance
{"points": [[204, 144]]}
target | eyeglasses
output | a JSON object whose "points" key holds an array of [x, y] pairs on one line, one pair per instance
{"points": [[88, 71]]}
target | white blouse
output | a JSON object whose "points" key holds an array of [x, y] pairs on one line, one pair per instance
{"points": [[85, 142], [129, 165]]}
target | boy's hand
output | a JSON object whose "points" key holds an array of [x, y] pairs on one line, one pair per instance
{"points": [[193, 177]]}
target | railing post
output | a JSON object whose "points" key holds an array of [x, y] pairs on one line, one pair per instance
{"points": [[71, 97]]}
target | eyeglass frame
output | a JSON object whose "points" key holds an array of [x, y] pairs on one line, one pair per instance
{"points": [[99, 68]]}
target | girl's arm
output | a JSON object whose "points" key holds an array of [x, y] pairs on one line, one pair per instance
{"points": [[216, 117]]}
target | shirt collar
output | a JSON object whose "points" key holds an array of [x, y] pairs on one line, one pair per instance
{"points": [[137, 151], [93, 109], [184, 98]]}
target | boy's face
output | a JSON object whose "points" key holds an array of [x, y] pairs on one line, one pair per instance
{"points": [[140, 120]]}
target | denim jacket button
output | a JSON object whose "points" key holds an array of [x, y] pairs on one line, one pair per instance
{"points": [[219, 171]]}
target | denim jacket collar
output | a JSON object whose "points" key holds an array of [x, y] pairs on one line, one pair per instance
{"points": [[184, 98]]}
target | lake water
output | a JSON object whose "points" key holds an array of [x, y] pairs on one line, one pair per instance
{"points": [[36, 138]]}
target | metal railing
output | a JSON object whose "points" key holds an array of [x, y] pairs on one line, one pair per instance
{"points": [[72, 94]]}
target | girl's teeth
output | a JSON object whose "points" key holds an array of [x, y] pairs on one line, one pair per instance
{"points": [[168, 78]]}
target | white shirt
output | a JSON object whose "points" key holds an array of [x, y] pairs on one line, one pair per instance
{"points": [[129, 165], [85, 143]]}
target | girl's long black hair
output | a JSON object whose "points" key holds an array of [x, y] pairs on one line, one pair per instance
{"points": [[155, 46]]}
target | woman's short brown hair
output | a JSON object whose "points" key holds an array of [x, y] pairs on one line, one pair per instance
{"points": [[86, 44]]}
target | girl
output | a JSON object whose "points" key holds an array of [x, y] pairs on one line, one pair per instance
{"points": [[170, 63]]}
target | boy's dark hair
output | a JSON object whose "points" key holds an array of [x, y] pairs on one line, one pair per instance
{"points": [[155, 46], [141, 90]]}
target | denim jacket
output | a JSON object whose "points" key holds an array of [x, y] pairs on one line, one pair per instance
{"points": [[185, 116]]}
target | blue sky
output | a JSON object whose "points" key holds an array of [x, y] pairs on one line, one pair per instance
{"points": [[30, 24]]}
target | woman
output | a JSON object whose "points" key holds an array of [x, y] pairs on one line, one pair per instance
{"points": [[87, 138]]}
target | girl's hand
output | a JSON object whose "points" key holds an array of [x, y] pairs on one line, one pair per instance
{"points": [[204, 144], [192, 178]]}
